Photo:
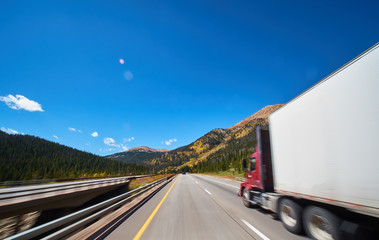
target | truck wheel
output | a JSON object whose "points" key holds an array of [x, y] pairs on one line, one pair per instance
{"points": [[291, 215], [245, 198], [321, 224]]}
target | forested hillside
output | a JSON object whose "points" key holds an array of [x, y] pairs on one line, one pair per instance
{"points": [[230, 154], [138, 155], [191, 153], [28, 157], [218, 150]]}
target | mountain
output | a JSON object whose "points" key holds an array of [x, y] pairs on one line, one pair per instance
{"points": [[218, 150], [264, 113], [139, 155], [24, 157]]}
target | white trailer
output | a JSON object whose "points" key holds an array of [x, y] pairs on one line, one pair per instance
{"points": [[324, 155], [324, 143]]}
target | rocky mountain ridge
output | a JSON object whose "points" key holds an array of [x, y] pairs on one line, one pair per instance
{"points": [[219, 149], [146, 149], [139, 155], [264, 113]]}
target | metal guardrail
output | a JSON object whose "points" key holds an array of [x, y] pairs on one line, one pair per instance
{"points": [[23, 183], [56, 180], [83, 216], [9, 193]]}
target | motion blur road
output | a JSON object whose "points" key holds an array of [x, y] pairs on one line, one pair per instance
{"points": [[200, 207]]}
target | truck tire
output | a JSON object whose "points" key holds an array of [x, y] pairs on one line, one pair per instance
{"points": [[291, 215], [245, 198], [321, 224]]}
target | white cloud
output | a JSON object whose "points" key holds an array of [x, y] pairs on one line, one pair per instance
{"points": [[20, 102], [109, 141], [94, 134], [112, 143], [128, 75], [55, 136], [170, 141], [74, 130], [128, 139], [9, 130]]}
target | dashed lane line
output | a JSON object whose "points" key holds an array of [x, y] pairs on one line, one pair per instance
{"points": [[255, 230], [223, 183]]}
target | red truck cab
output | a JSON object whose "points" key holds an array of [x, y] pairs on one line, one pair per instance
{"points": [[252, 175], [258, 170]]}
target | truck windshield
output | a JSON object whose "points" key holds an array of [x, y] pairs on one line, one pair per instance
{"points": [[252, 164]]}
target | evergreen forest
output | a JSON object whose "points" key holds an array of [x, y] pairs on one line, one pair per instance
{"points": [[24, 157]]}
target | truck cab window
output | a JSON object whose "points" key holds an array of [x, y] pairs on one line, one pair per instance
{"points": [[252, 164]]}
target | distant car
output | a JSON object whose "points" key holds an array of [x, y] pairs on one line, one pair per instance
{"points": [[183, 172]]}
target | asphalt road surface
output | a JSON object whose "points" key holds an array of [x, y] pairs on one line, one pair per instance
{"points": [[200, 207]]}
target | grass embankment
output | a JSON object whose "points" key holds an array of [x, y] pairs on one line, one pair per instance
{"points": [[226, 174], [136, 183]]}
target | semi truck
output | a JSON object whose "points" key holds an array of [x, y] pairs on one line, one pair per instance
{"points": [[316, 164]]}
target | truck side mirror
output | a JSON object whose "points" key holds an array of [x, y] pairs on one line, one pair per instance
{"points": [[244, 164]]}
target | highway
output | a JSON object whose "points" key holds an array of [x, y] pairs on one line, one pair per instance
{"points": [[200, 207]]}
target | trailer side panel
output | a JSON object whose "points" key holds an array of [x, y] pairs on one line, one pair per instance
{"points": [[325, 142]]}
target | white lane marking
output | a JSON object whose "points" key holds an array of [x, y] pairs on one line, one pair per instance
{"points": [[255, 230], [223, 183], [197, 182], [208, 192]]}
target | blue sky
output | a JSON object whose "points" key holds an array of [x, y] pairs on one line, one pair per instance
{"points": [[189, 66]]}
